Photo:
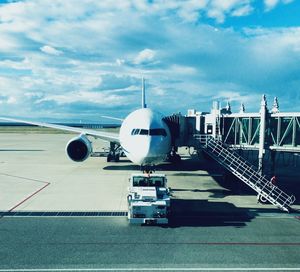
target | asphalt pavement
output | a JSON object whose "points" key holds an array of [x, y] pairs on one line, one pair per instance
{"points": [[266, 241], [57, 215]]}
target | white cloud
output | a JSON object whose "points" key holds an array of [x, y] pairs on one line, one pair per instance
{"points": [[276, 43], [12, 100], [144, 56], [183, 70], [242, 11], [190, 10], [219, 9], [157, 91], [8, 42], [50, 50], [7, 85], [271, 4], [103, 98], [120, 62], [233, 96], [105, 46]]}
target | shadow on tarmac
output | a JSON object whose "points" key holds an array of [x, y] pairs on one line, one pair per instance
{"points": [[231, 184], [202, 213], [289, 183], [189, 164], [118, 167], [215, 193]]}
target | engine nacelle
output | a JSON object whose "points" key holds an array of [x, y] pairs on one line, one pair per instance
{"points": [[79, 148]]}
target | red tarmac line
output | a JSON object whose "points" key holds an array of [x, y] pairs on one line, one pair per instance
{"points": [[33, 194]]}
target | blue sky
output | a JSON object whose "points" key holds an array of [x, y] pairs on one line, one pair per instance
{"points": [[83, 59]]}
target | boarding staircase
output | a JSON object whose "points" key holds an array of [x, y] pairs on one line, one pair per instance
{"points": [[246, 172]]}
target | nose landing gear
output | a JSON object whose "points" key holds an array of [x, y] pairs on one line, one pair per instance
{"points": [[148, 169], [174, 157]]}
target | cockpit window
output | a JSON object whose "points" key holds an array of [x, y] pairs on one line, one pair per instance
{"points": [[158, 132], [135, 131], [144, 132], [151, 132]]}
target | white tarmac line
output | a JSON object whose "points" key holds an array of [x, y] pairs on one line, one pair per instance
{"points": [[154, 269]]}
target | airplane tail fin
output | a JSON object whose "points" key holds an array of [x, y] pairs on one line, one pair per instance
{"points": [[144, 105]]}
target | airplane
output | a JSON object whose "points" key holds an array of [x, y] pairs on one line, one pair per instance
{"points": [[144, 137]]}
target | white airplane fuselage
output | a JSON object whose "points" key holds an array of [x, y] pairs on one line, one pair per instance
{"points": [[145, 138]]}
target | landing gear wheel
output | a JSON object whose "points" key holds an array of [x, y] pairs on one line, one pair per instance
{"points": [[111, 157], [261, 199]]}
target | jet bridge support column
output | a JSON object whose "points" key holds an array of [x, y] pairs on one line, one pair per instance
{"points": [[261, 151], [273, 162]]}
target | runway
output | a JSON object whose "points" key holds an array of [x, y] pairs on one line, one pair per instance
{"points": [[57, 214]]}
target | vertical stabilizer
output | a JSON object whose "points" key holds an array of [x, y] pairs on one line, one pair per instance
{"points": [[143, 94]]}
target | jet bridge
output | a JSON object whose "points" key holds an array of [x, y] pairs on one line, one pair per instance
{"points": [[266, 131], [220, 132]]}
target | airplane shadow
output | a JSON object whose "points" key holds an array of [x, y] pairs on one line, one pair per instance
{"points": [[230, 184], [215, 193], [185, 165], [120, 167], [203, 213]]}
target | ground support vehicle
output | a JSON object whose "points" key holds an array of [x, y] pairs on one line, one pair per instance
{"points": [[148, 199]]}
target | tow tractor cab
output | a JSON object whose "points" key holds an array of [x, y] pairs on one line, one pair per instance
{"points": [[148, 199]]}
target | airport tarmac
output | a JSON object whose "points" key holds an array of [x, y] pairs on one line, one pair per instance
{"points": [[67, 215]]}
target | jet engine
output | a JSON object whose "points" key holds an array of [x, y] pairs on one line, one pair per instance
{"points": [[79, 148]]}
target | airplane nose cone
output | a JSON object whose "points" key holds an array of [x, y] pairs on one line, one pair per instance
{"points": [[139, 151], [156, 151]]}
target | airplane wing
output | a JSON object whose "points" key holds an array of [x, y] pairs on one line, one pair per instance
{"points": [[106, 136]]}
